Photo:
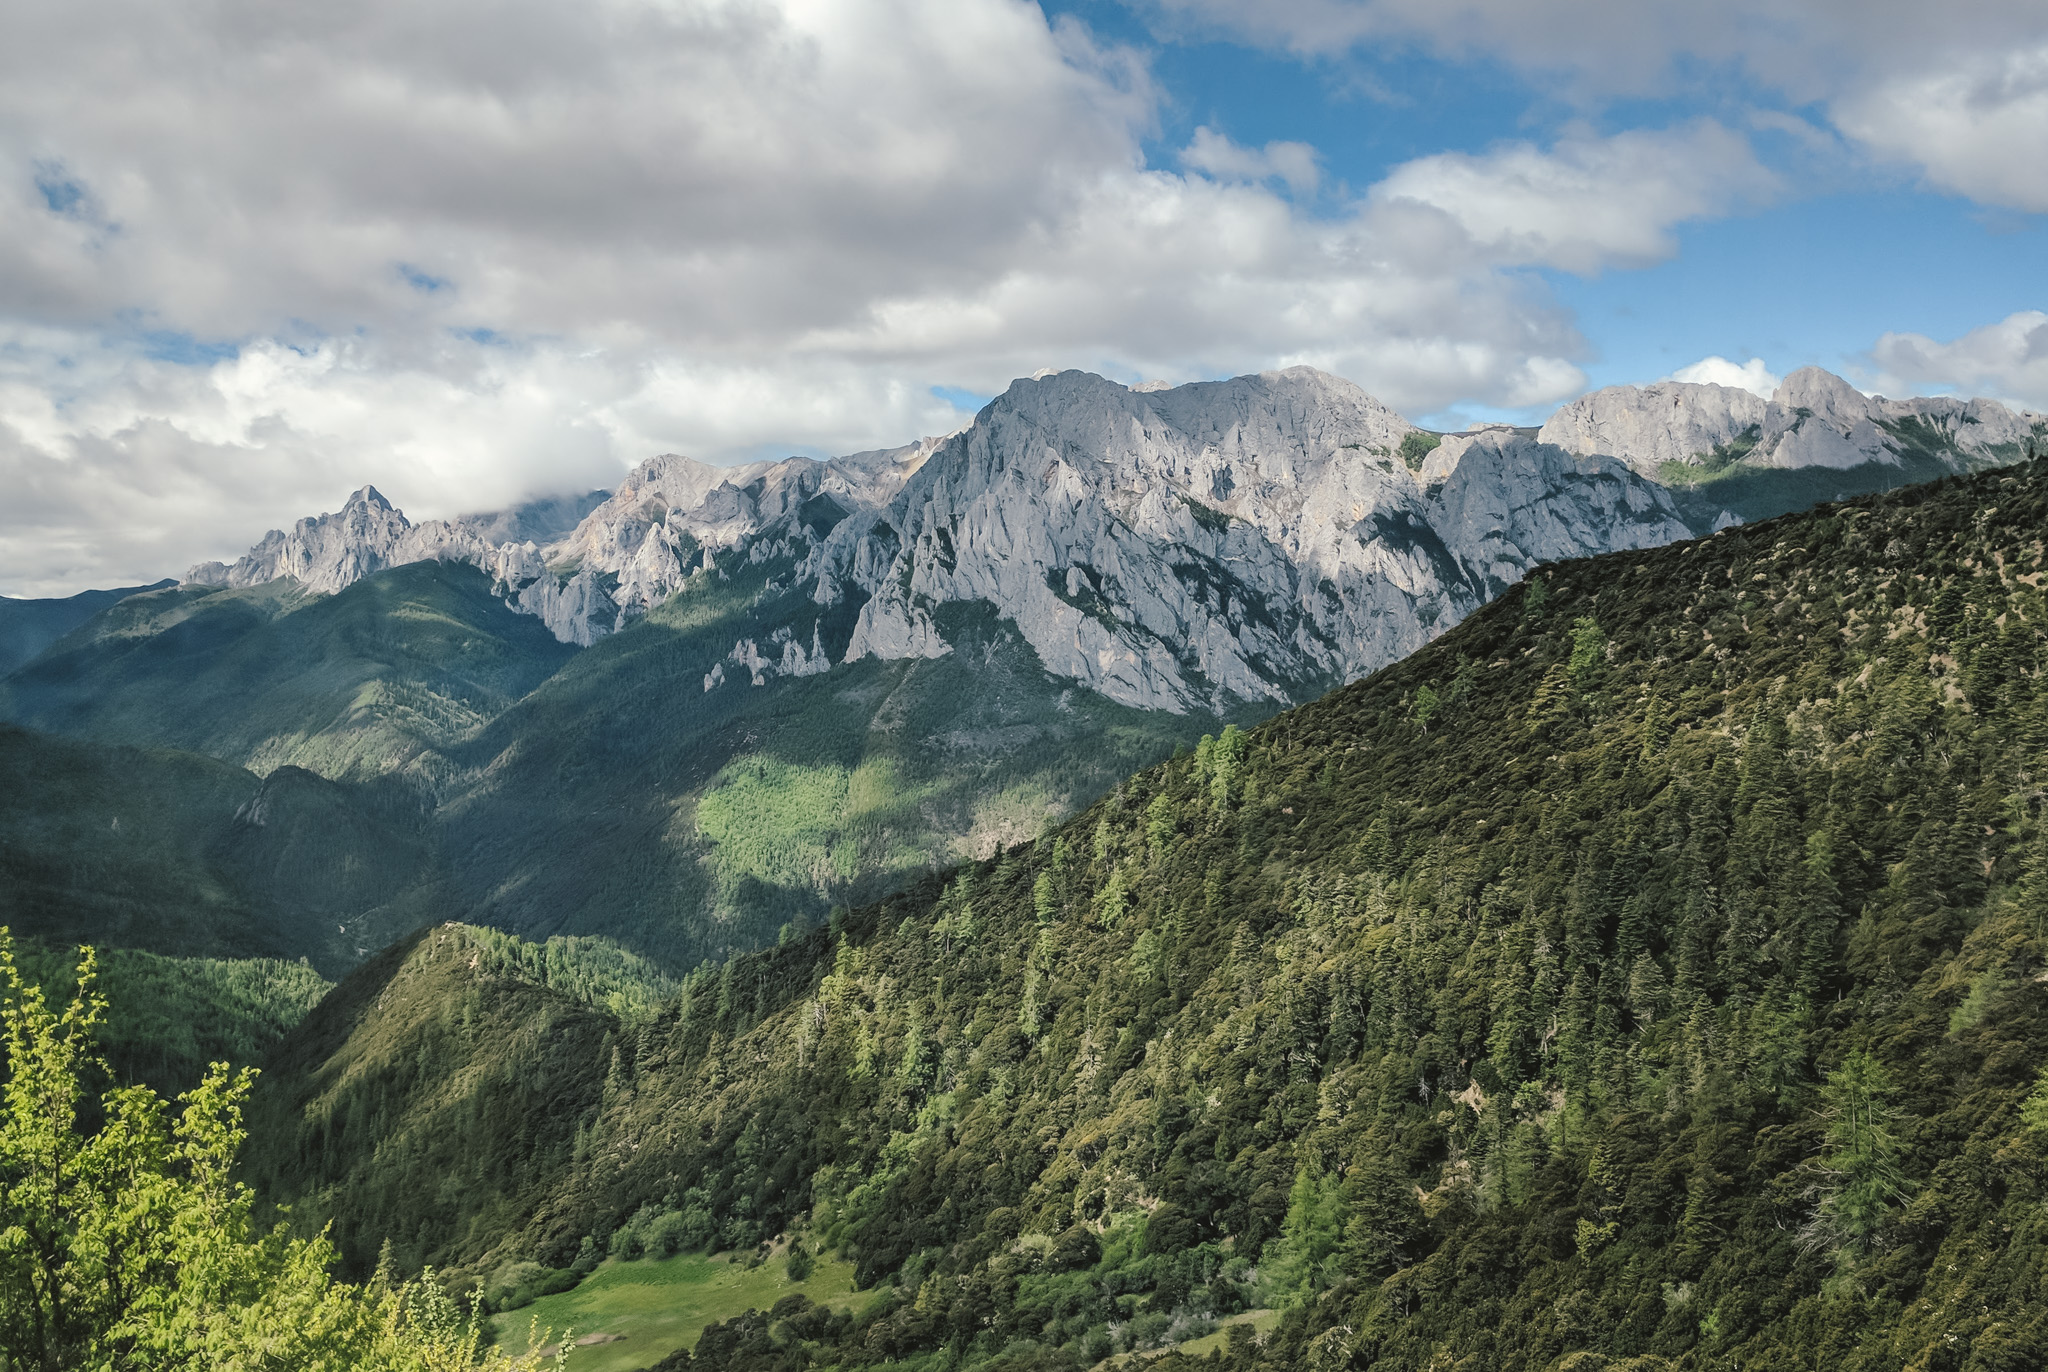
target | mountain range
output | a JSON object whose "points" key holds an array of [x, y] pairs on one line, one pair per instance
{"points": [[712, 704], [1209, 873], [1245, 540]]}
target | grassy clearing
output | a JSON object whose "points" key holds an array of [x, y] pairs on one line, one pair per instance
{"points": [[661, 1305], [1261, 1321]]}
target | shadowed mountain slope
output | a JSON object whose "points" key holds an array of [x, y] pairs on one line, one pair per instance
{"points": [[382, 677], [184, 855], [169, 1018], [29, 626], [625, 798]]}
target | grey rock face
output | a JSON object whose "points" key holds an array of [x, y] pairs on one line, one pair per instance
{"points": [[1253, 539], [1815, 419], [1646, 426], [784, 656], [1172, 547], [329, 552]]}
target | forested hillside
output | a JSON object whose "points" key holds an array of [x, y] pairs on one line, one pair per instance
{"points": [[169, 1019], [29, 626], [513, 780], [186, 856], [384, 677], [1648, 973]]}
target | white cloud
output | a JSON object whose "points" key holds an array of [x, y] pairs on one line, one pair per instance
{"points": [[1752, 376], [141, 468], [1959, 89], [2008, 360], [1212, 154], [1587, 202], [471, 253], [1979, 127]]}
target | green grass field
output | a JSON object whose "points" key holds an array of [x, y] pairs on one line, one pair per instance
{"points": [[1261, 1320], [660, 1306]]}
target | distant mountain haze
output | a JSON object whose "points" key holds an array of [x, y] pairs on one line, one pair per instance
{"points": [[29, 626]]}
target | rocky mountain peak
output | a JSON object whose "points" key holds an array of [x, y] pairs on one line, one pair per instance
{"points": [[1814, 419], [1251, 539], [1822, 392]]}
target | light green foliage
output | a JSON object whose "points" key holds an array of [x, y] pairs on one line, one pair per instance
{"points": [[1861, 1179], [2034, 1110], [1427, 703], [1300, 1263], [1044, 902], [1589, 652], [1226, 758], [1430, 704], [1416, 445], [596, 971], [1161, 822], [1551, 708], [794, 826], [1716, 464], [126, 1242], [662, 1232], [168, 1018], [1113, 900]]}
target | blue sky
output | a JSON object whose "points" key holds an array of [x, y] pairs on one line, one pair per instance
{"points": [[246, 268], [1850, 250]]}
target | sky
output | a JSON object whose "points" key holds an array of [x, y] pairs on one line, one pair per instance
{"points": [[257, 253]]}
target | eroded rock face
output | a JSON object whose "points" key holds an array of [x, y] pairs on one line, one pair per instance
{"points": [[1253, 539], [1172, 547], [1814, 419]]}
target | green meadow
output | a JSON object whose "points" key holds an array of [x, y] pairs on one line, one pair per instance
{"points": [[656, 1306]]}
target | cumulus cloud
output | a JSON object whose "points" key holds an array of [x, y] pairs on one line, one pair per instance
{"points": [[1587, 202], [2008, 359], [1212, 154], [1978, 128], [252, 258], [1959, 89], [134, 468], [1752, 376]]}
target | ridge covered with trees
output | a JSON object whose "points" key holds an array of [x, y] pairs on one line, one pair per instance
{"points": [[1649, 973]]}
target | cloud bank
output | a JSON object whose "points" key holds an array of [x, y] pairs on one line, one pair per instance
{"points": [[251, 256], [2007, 360], [1958, 91], [1752, 376]]}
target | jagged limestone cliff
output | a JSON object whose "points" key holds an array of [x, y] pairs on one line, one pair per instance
{"points": [[1681, 431], [1257, 539]]}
